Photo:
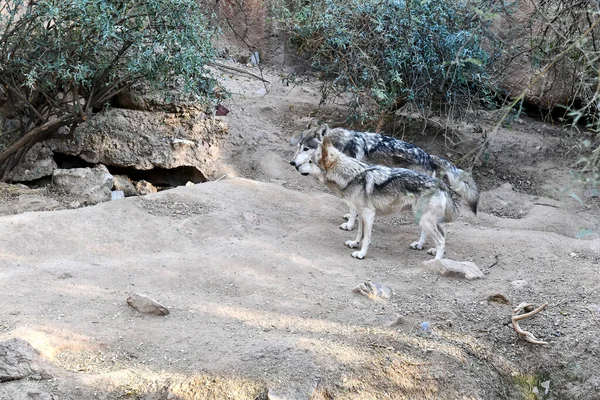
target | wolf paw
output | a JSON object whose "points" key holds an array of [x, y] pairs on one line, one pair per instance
{"points": [[352, 244], [416, 246], [358, 254], [432, 251], [346, 226]]}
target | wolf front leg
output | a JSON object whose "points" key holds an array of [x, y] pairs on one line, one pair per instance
{"points": [[418, 245], [366, 216], [359, 235], [351, 217]]}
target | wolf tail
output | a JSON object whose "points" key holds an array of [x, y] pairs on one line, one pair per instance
{"points": [[460, 181], [451, 209]]}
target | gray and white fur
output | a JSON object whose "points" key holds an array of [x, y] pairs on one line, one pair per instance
{"points": [[374, 148], [375, 189]]}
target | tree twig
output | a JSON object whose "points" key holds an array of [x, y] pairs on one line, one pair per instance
{"points": [[232, 68]]}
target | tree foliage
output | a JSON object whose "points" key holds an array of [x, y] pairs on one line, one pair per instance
{"points": [[60, 60], [397, 52]]}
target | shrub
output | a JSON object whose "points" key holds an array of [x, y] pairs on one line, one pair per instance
{"points": [[396, 52]]}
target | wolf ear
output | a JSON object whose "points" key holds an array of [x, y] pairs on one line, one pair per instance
{"points": [[325, 148], [313, 123], [322, 131]]}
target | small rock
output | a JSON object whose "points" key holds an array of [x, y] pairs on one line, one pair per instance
{"points": [[399, 321], [189, 183], [574, 373], [373, 290], [221, 110], [448, 267], [65, 275], [243, 58], [593, 192], [262, 91], [251, 219], [291, 393], [425, 328], [144, 187], [117, 195], [498, 298], [594, 308], [520, 284], [146, 305], [124, 184], [546, 386], [182, 142]]}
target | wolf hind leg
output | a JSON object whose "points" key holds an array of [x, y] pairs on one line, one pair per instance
{"points": [[367, 216], [429, 224]]}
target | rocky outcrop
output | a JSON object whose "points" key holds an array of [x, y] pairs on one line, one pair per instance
{"points": [[87, 185], [145, 140], [520, 29]]}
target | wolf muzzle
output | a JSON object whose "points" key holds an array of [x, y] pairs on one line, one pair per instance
{"points": [[293, 163]]}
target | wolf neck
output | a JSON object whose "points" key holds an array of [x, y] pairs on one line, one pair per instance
{"points": [[341, 169], [346, 142]]}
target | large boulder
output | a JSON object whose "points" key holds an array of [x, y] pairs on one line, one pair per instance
{"points": [[18, 360], [86, 185], [37, 163], [146, 140], [521, 28]]}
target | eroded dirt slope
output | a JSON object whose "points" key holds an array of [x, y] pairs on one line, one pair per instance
{"points": [[259, 284]]}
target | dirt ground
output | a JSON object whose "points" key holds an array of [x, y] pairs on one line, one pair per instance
{"points": [[253, 269]]}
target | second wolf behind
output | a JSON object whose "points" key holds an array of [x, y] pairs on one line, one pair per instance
{"points": [[379, 189], [374, 148]]}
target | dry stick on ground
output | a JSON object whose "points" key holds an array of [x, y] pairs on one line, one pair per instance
{"points": [[515, 318], [232, 68]]}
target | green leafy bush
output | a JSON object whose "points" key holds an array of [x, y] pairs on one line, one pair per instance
{"points": [[62, 59], [395, 52]]}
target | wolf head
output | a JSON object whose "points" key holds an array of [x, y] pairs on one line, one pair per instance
{"points": [[320, 160], [308, 142]]}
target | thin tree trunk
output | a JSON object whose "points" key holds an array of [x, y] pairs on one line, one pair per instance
{"points": [[10, 156]]}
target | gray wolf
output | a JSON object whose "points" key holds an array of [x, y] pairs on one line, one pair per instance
{"points": [[370, 189], [374, 148]]}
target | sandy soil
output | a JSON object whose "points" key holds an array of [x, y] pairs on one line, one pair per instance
{"points": [[259, 284]]}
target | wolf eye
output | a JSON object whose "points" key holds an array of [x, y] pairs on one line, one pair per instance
{"points": [[310, 161], [305, 149]]}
